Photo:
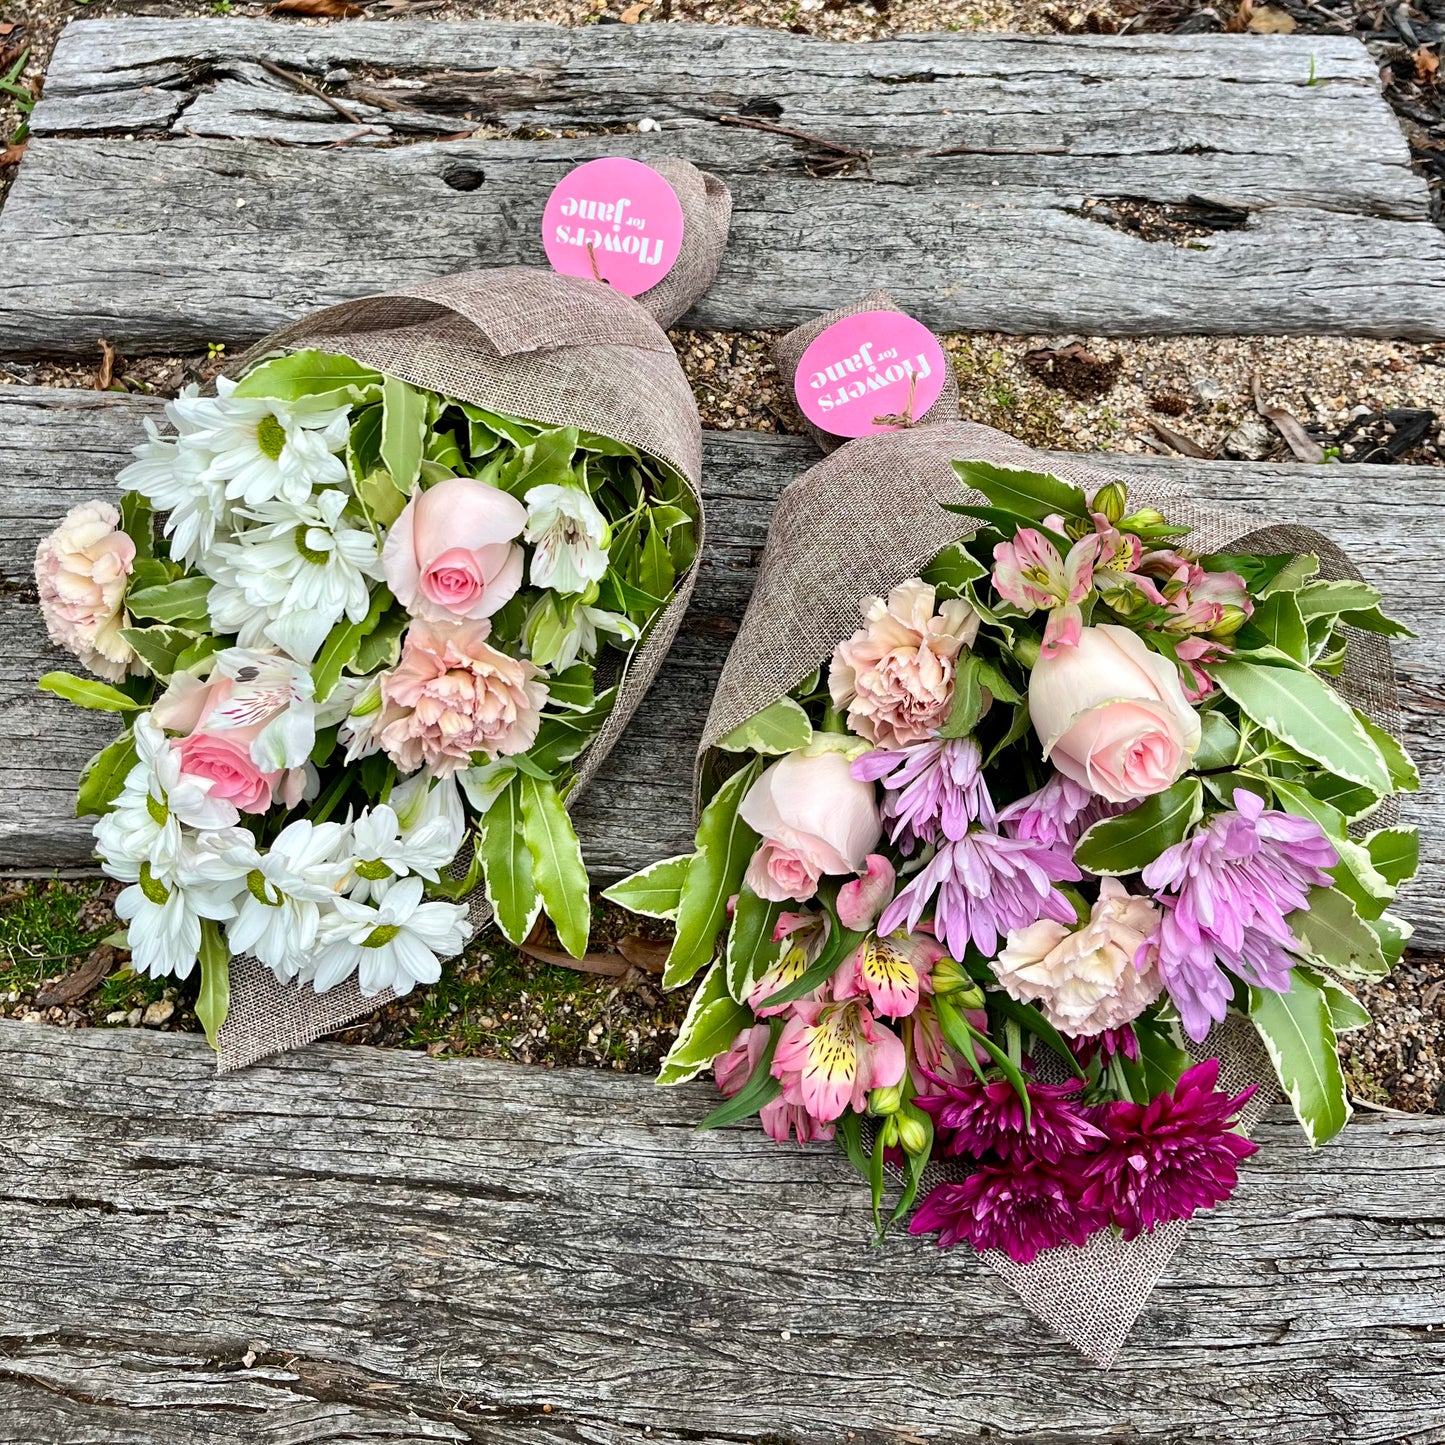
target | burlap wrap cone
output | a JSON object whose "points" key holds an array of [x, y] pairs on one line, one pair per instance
{"points": [[547, 348], [856, 525]]}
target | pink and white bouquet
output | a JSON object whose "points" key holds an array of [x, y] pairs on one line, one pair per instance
{"points": [[361, 633], [977, 891]]}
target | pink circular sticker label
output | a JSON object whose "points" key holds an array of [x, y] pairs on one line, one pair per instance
{"points": [[615, 220], [866, 373]]}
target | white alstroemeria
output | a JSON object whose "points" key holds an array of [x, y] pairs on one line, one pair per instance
{"points": [[361, 729], [163, 915], [382, 850], [395, 944], [483, 785], [421, 798], [289, 889], [302, 568], [571, 538], [264, 449], [569, 629], [270, 689]]}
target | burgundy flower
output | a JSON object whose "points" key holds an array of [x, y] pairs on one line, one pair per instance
{"points": [[1020, 1206], [1105, 1045], [1167, 1159], [981, 1119]]}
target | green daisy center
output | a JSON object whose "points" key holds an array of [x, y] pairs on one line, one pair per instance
{"points": [[380, 936], [270, 436], [152, 886], [310, 554]]}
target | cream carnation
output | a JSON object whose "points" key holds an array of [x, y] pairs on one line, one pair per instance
{"points": [[1086, 981], [454, 695], [895, 676], [81, 570]]}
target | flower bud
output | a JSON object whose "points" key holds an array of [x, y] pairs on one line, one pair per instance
{"points": [[1230, 621], [888, 1134], [1121, 598], [1111, 500], [912, 1135], [885, 1101], [951, 980]]}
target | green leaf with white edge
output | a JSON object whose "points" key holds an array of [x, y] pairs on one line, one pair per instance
{"points": [[967, 706], [1331, 931], [952, 570], [724, 845], [319, 378], [103, 777], [1006, 522], [442, 450], [1347, 1013], [544, 462], [137, 521], [183, 600], [507, 865], [1355, 874], [1218, 742], [379, 495], [1373, 620], [557, 866], [751, 950], [573, 689], [1394, 933], [654, 891], [761, 1088], [1300, 1038], [1308, 715], [403, 432], [712, 1023], [1350, 800], [1404, 775], [1135, 839], [656, 573], [1277, 623], [342, 644], [159, 647], [1292, 575], [213, 1002], [781, 727], [1395, 852], [1028, 494], [1329, 599], [97, 696]]}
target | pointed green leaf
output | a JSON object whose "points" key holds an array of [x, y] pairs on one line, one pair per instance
{"points": [[1277, 622], [507, 865], [655, 569], [137, 521], [952, 570], [213, 1002], [750, 947], [761, 1088], [967, 706], [379, 495], [557, 866], [1393, 933], [1289, 576], [98, 696], [1347, 1013], [1403, 773], [1373, 620], [159, 647], [1028, 494], [1135, 839], [342, 644], [1395, 852], [381, 646], [403, 432], [713, 1021], [1218, 743], [320, 378], [181, 601], [1332, 931], [104, 776], [1300, 1038], [781, 727], [1329, 599], [653, 891]]}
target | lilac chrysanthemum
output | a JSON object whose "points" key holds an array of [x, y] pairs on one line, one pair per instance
{"points": [[985, 885], [1021, 1206], [1167, 1159], [1227, 892], [1058, 814], [930, 788], [988, 1118]]}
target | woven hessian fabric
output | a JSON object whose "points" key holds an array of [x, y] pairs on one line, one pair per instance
{"points": [[529, 343]]}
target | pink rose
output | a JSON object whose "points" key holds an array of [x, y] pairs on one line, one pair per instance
{"points": [[454, 695], [1112, 715], [814, 818], [895, 676], [221, 754], [81, 570], [452, 553]]}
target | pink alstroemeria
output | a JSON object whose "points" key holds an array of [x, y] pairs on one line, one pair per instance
{"points": [[863, 899], [832, 1055], [779, 1119], [890, 972], [1030, 573], [808, 932]]}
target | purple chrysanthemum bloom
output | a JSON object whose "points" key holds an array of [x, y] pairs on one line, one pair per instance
{"points": [[1167, 1159], [1020, 1206], [988, 1118], [1106, 1045], [1227, 892], [932, 787], [1058, 814], [985, 885]]}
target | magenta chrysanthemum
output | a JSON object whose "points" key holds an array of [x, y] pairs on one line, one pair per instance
{"points": [[1169, 1158], [1020, 1206], [931, 788], [985, 885], [988, 1118], [1227, 892]]}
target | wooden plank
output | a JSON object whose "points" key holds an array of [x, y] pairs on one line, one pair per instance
{"points": [[124, 237], [349, 1243], [60, 447]]}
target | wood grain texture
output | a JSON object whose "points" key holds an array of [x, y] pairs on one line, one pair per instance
{"points": [[416, 1249], [124, 237], [61, 447]]}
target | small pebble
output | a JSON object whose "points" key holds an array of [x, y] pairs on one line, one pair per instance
{"points": [[158, 1013], [339, 76], [647, 124]]}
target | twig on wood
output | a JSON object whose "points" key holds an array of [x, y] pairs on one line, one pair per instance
{"points": [[1179, 442], [999, 151], [836, 147], [301, 83], [347, 139]]}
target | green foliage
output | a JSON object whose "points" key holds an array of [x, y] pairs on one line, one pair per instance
{"points": [[319, 379], [654, 891], [1299, 1033], [750, 950], [403, 432], [781, 727], [342, 644], [103, 777], [1030, 495], [1128, 843], [712, 1023], [557, 867], [87, 693], [183, 600], [213, 1002], [507, 864]]}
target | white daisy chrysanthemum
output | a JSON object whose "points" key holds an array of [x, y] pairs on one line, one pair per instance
{"points": [[293, 575], [384, 850], [264, 449], [571, 538], [396, 944], [289, 889], [580, 623]]}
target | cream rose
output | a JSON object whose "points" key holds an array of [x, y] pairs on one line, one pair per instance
{"points": [[1112, 715], [1086, 981], [81, 570]]}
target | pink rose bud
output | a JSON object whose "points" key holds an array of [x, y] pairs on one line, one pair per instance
{"points": [[452, 554], [225, 759], [1112, 715]]}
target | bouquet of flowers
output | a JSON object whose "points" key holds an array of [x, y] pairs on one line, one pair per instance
{"points": [[972, 890]]}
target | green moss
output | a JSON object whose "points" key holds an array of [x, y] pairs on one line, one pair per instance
{"points": [[46, 928], [995, 392]]}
